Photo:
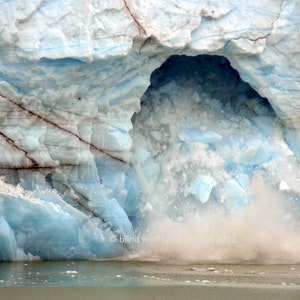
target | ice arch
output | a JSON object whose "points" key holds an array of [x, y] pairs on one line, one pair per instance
{"points": [[202, 134]]}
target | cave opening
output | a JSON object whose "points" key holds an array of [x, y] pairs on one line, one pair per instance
{"points": [[202, 135]]}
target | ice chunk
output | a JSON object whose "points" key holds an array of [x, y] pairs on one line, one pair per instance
{"points": [[283, 186], [256, 152], [199, 136], [202, 188]]}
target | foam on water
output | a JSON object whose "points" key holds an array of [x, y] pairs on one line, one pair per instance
{"points": [[218, 180]]}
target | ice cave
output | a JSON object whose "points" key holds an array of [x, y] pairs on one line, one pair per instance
{"points": [[162, 130]]}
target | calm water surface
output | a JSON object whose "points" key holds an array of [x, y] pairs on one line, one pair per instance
{"points": [[147, 280]]}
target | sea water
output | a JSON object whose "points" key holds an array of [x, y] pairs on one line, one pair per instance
{"points": [[147, 280]]}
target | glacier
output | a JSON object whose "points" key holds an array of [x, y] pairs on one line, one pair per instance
{"points": [[119, 114]]}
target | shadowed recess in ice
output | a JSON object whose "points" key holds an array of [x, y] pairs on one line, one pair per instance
{"points": [[218, 180]]}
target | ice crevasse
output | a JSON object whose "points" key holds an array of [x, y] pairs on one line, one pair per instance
{"points": [[79, 163]]}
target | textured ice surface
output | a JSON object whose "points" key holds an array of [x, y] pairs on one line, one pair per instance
{"points": [[71, 78]]}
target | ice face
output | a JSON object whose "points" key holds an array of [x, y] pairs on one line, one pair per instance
{"points": [[72, 77]]}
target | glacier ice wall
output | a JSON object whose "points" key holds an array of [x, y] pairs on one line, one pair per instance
{"points": [[71, 78]]}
